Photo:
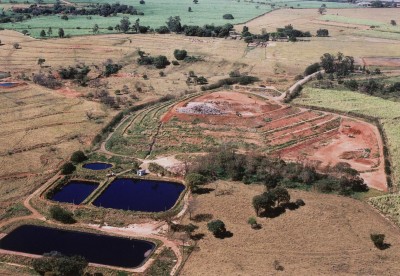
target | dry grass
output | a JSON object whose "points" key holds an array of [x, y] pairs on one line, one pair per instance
{"points": [[329, 235]]}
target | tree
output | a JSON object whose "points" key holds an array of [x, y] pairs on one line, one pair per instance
{"points": [[228, 16], [193, 180], [95, 29], [42, 33], [281, 195], [263, 201], [142, 2], [393, 22], [41, 61], [217, 227], [322, 10], [180, 54], [16, 45], [161, 62], [378, 240], [78, 156], [189, 9], [196, 1], [64, 17], [322, 33], [328, 63], [124, 24], [174, 24], [61, 32], [25, 32], [50, 32], [59, 214], [68, 168]]}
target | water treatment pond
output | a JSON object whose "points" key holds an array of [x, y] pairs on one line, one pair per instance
{"points": [[7, 84], [140, 195], [74, 192], [97, 166], [100, 249]]}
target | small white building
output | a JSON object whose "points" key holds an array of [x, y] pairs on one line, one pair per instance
{"points": [[141, 172]]}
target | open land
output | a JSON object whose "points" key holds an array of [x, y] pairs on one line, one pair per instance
{"points": [[40, 128]]}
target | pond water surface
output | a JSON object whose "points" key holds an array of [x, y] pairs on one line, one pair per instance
{"points": [[74, 192], [140, 195], [100, 249], [97, 166]]}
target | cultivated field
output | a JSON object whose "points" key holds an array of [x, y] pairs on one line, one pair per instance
{"points": [[329, 235]]}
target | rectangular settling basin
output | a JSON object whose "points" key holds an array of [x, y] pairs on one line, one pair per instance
{"points": [[96, 248], [74, 192]]}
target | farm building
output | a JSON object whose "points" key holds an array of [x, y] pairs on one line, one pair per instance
{"points": [[141, 172]]}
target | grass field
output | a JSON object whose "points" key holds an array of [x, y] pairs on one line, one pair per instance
{"points": [[157, 13], [330, 235]]}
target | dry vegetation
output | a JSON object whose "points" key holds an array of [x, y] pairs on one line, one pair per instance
{"points": [[40, 128], [329, 235]]}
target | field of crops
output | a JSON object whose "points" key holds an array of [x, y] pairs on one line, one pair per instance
{"points": [[346, 101], [156, 14]]}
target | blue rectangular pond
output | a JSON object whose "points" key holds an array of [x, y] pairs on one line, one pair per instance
{"points": [[140, 195], [100, 249], [7, 84], [97, 166], [74, 192]]}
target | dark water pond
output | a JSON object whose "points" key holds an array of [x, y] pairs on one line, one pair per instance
{"points": [[140, 195], [100, 249], [97, 166], [7, 84], [74, 192]]}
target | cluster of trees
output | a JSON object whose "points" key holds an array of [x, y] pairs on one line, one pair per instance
{"points": [[243, 80], [372, 86], [159, 62], [270, 199], [339, 64], [380, 4], [46, 80], [225, 163], [55, 263], [111, 68], [174, 25], [59, 214], [289, 32], [249, 37], [98, 9], [322, 32], [78, 73]]}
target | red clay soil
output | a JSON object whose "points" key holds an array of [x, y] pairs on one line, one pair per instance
{"points": [[68, 92], [356, 142], [289, 132]]}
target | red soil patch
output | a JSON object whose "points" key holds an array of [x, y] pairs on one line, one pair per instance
{"points": [[68, 92], [356, 142], [382, 61], [292, 133]]}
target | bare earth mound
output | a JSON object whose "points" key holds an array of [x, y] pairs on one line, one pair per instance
{"points": [[330, 235]]}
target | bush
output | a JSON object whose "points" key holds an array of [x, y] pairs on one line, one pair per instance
{"points": [[322, 32], [193, 180], [78, 157], [299, 202], [59, 214], [68, 168], [174, 62], [217, 227], [351, 84], [228, 16], [180, 54], [311, 69], [60, 265], [162, 30], [378, 240], [252, 221]]}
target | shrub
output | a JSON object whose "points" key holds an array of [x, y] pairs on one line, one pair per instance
{"points": [[299, 202], [322, 32], [252, 221], [78, 157], [378, 240], [111, 68], [60, 265], [59, 214], [217, 227], [68, 168], [193, 180], [162, 30], [180, 54], [174, 62], [228, 16], [311, 69], [351, 84]]}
